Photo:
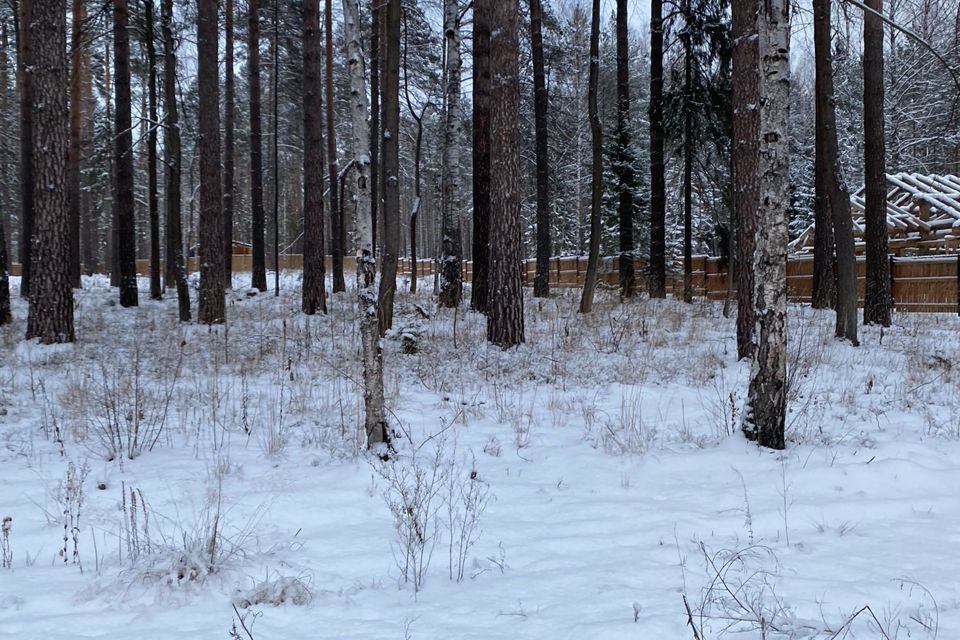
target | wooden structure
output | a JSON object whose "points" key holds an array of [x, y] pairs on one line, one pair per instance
{"points": [[923, 216]]}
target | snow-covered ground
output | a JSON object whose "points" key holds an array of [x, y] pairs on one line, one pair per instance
{"points": [[592, 480]]}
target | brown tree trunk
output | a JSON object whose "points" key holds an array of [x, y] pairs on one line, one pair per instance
{"points": [[541, 282], [5, 317], [479, 292], [50, 316], [25, 67], [89, 230], [391, 168], [624, 169], [505, 309], [78, 17], [596, 181], [229, 145], [746, 141], [375, 137], [257, 212], [171, 150], [275, 90], [765, 413], [314, 296], [156, 292], [451, 277], [6, 200], [210, 307], [337, 235], [877, 301], [123, 158], [823, 293], [688, 146], [657, 283], [836, 200]]}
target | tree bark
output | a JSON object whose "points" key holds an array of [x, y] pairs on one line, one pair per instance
{"points": [[836, 199], [337, 235], [229, 145], [5, 316], [596, 181], [626, 183], [375, 138], [657, 283], [7, 201], [257, 213], [451, 278], [505, 309], [746, 181], [171, 150], [211, 307], [765, 414], [541, 282], [275, 45], [314, 296], [877, 301], [50, 316], [375, 422], [123, 159], [688, 150], [479, 290], [78, 17], [25, 67], [152, 199], [391, 167]]}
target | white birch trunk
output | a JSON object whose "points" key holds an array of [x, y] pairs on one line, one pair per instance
{"points": [[375, 424], [765, 414], [450, 276]]}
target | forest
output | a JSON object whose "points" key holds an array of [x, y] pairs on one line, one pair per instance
{"points": [[479, 319]]}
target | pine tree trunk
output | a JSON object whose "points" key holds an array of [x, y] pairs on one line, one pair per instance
{"points": [[657, 283], [152, 199], [451, 278], [337, 234], [229, 145], [25, 66], [257, 213], [823, 293], [391, 167], [505, 308], [375, 423], [171, 150], [123, 159], [314, 296], [5, 316], [78, 16], [210, 307], [596, 182], [746, 181], [835, 195], [479, 289], [688, 146], [6, 199], [375, 137], [626, 184], [877, 301], [541, 282], [765, 414], [89, 230], [50, 316], [275, 91]]}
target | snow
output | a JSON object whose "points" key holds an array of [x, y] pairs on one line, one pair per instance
{"points": [[607, 446]]}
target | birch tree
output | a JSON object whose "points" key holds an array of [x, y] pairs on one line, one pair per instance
{"points": [[451, 278]]}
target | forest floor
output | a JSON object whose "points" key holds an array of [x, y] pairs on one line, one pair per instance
{"points": [[592, 483]]}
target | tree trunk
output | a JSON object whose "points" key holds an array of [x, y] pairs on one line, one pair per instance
{"points": [[210, 308], [257, 213], [823, 292], [479, 290], [314, 296], [375, 422], [626, 183], [746, 144], [505, 309], [337, 234], [657, 283], [765, 414], [688, 146], [836, 200], [171, 150], [229, 116], [451, 278], [375, 138], [25, 69], [541, 282], [50, 316], [391, 167], [89, 230], [877, 301], [276, 146], [123, 159], [153, 204], [596, 181], [78, 16]]}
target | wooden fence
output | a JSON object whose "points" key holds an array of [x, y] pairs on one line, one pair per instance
{"points": [[930, 284]]}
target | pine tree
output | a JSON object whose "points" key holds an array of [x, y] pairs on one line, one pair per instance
{"points": [[314, 290], [596, 182], [125, 235], [257, 213]]}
